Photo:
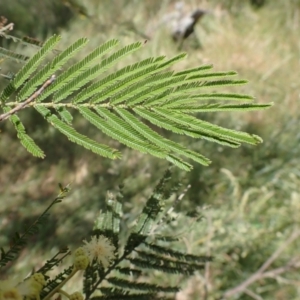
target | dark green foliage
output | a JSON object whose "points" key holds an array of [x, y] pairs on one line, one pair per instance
{"points": [[120, 279], [54, 261], [159, 258], [54, 283], [146, 287]]}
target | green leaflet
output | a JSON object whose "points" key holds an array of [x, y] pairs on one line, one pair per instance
{"points": [[207, 97], [79, 67], [65, 115], [122, 136], [179, 163], [136, 81], [32, 64], [174, 125], [177, 254], [201, 70], [98, 87], [155, 138], [120, 85], [211, 75], [194, 108], [142, 286], [95, 71], [76, 137], [210, 129], [51, 68], [26, 141], [162, 86], [189, 87]]}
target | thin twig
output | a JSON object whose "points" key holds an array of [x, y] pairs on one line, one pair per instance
{"points": [[260, 272], [253, 295], [29, 100], [292, 264]]}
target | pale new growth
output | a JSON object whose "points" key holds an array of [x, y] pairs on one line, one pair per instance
{"points": [[100, 249]]}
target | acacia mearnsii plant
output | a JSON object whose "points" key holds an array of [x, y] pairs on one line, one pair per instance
{"points": [[121, 104]]}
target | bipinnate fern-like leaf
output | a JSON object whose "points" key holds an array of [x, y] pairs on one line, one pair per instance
{"points": [[142, 286], [139, 256], [129, 104], [52, 284], [143, 250], [55, 261]]}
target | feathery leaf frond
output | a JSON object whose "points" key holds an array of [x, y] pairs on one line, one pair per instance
{"points": [[120, 277], [122, 103]]}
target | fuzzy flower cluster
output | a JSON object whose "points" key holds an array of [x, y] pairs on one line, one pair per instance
{"points": [[99, 249], [30, 288]]}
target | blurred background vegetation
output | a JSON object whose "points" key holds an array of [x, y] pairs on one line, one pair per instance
{"points": [[249, 197]]}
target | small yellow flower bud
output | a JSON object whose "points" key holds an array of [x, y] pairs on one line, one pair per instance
{"points": [[39, 278], [76, 296], [35, 287], [79, 251], [81, 262]]}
